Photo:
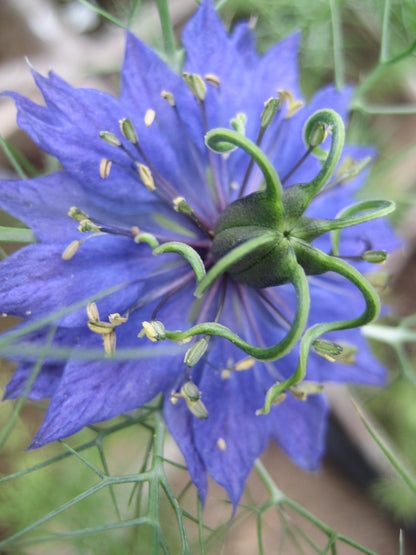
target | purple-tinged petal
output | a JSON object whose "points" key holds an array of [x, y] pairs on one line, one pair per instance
{"points": [[22, 351], [244, 41], [44, 387], [231, 405], [180, 125], [43, 204], [299, 429], [36, 281], [94, 391], [179, 421]]}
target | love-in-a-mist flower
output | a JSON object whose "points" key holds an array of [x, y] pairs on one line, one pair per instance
{"points": [[214, 210]]}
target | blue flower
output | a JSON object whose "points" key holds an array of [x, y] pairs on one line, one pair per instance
{"points": [[139, 173]]}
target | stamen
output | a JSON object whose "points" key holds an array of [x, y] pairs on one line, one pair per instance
{"points": [[293, 105], [196, 85], [375, 257], [222, 446], [244, 364], [77, 214], [153, 330], [194, 354], [269, 302], [269, 111], [149, 117], [105, 329], [304, 389], [192, 396], [128, 131], [181, 205], [194, 155], [327, 349], [213, 163], [146, 176], [110, 138], [212, 80], [105, 167], [70, 250], [348, 169], [298, 164], [168, 96]]}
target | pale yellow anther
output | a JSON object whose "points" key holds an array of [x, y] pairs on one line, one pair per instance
{"points": [[149, 117], [135, 230], [234, 185], [77, 214], [245, 364], [350, 168], [146, 176], [92, 312], [168, 96], [180, 204], [212, 80], [279, 399], [70, 250], [221, 444], [154, 330], [105, 167], [174, 398], [225, 374], [87, 226], [102, 328], [177, 202], [116, 319], [293, 105], [196, 85], [185, 341], [303, 389]]}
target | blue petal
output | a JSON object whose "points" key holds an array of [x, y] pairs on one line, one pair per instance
{"points": [[244, 41], [91, 392], [36, 281], [179, 421], [231, 406], [299, 429], [43, 204], [74, 118], [182, 125], [44, 387], [51, 370]]}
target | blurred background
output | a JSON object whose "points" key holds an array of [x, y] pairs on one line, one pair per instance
{"points": [[357, 492]]}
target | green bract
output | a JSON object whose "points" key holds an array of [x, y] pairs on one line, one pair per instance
{"points": [[263, 240]]}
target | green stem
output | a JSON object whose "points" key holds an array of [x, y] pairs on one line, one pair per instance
{"points": [[167, 28], [370, 313], [156, 476], [17, 235], [277, 497], [186, 252], [12, 158], [384, 47], [349, 216], [327, 263], [335, 123], [300, 282], [219, 140], [5, 432], [339, 66]]}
